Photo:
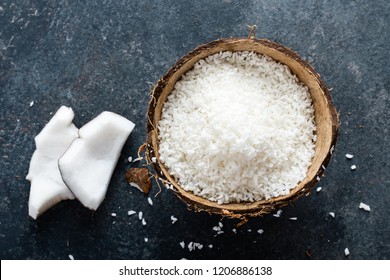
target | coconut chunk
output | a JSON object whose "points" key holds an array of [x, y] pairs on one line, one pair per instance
{"points": [[47, 186], [88, 164]]}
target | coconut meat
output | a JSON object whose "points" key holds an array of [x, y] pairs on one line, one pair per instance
{"points": [[87, 166], [47, 186]]}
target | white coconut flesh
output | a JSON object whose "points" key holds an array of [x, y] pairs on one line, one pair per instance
{"points": [[87, 166], [47, 186]]}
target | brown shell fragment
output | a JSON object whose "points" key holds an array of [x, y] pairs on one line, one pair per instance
{"points": [[140, 177]]}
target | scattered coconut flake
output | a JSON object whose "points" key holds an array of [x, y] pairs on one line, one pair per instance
{"points": [[216, 228], [349, 156], [260, 231], [353, 167], [220, 225], [332, 149], [182, 244], [318, 178], [332, 214], [113, 214], [71, 257], [130, 159], [131, 212], [319, 189], [173, 219], [293, 218], [323, 167], [220, 232], [190, 246], [169, 186], [146, 239], [31, 103], [137, 159], [154, 159], [234, 230], [364, 206], [277, 215], [210, 246], [143, 222], [140, 214], [249, 230], [150, 201], [346, 251]]}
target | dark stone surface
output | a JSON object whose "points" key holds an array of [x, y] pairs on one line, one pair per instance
{"points": [[105, 55]]}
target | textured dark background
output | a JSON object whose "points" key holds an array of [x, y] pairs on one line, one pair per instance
{"points": [[106, 55]]}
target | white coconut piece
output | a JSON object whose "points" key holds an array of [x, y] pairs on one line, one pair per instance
{"points": [[87, 166], [47, 186], [364, 206]]}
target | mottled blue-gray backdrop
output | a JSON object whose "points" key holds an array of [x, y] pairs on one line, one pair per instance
{"points": [[106, 55]]}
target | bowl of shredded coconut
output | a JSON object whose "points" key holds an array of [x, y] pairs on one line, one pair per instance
{"points": [[241, 127]]}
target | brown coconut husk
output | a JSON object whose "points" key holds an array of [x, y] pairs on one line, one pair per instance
{"points": [[326, 118]]}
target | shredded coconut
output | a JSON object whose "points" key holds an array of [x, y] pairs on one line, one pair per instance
{"points": [[150, 201], [146, 239], [238, 127], [353, 167], [364, 207], [173, 219], [332, 214], [349, 156], [143, 222], [130, 159], [131, 212], [319, 189], [234, 230], [277, 215], [140, 214], [260, 231], [137, 159], [346, 251], [293, 218], [113, 214], [182, 244], [71, 257]]}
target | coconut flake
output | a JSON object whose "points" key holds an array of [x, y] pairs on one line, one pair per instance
{"points": [[293, 218], [31, 103], [332, 214], [71, 257], [278, 213], [130, 159], [154, 159], [210, 246], [260, 231], [143, 222], [182, 244], [364, 206], [140, 214], [234, 230], [319, 189], [131, 212], [113, 214], [146, 239], [318, 178], [150, 201], [353, 167], [137, 159], [173, 219], [349, 156], [346, 252]]}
